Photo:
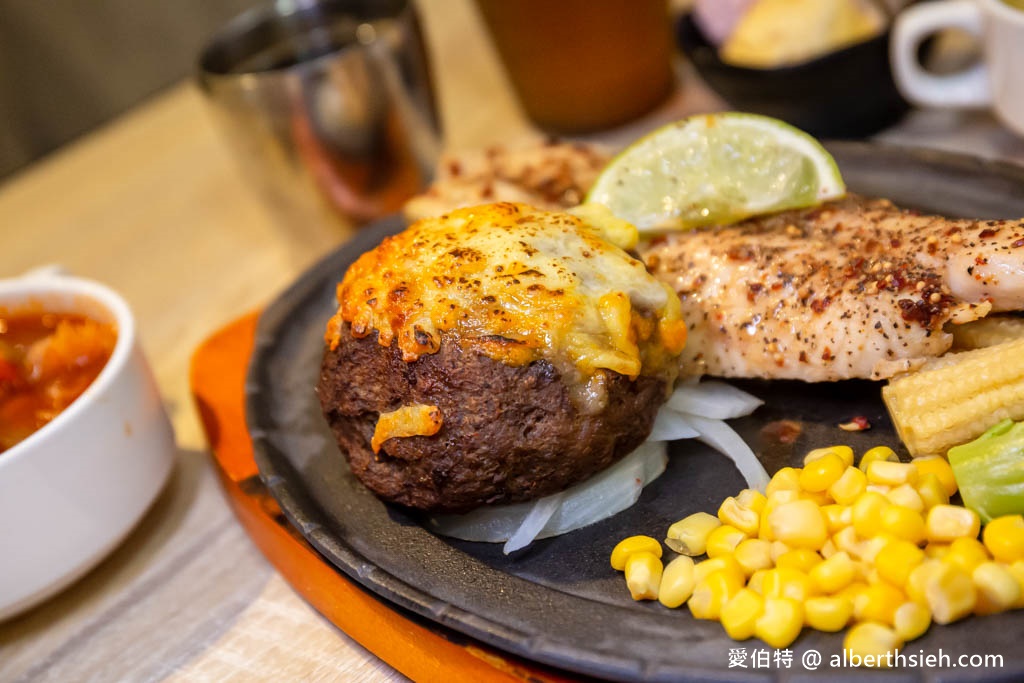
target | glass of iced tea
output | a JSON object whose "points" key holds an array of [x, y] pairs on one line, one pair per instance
{"points": [[580, 66]]}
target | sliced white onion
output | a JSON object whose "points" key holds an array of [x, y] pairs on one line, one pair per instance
{"points": [[726, 441], [713, 399], [534, 522], [597, 498], [669, 427], [609, 492], [488, 524]]}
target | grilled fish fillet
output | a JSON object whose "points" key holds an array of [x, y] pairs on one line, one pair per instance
{"points": [[856, 288]]}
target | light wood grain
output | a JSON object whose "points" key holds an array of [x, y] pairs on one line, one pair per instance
{"points": [[153, 205], [253, 650]]}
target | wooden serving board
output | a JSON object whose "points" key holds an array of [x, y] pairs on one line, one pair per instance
{"points": [[417, 648]]}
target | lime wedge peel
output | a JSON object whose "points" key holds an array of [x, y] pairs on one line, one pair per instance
{"points": [[716, 169]]}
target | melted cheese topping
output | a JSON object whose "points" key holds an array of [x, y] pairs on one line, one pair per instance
{"points": [[517, 284], [414, 420]]}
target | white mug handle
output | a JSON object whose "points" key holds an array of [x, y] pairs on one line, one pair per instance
{"points": [[968, 88]]}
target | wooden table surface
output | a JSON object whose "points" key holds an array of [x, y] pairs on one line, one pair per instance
{"points": [[153, 206]]}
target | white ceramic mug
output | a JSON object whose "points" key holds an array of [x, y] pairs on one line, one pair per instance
{"points": [[995, 82]]}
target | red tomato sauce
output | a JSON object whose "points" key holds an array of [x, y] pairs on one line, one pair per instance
{"points": [[46, 361]]}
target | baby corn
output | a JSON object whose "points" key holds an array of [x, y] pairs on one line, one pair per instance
{"points": [[954, 399], [989, 331]]}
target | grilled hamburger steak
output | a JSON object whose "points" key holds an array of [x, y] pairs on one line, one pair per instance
{"points": [[496, 354]]}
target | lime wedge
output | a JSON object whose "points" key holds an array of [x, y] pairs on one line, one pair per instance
{"points": [[716, 169]]}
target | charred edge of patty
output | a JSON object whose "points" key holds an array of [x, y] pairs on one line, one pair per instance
{"points": [[509, 434]]}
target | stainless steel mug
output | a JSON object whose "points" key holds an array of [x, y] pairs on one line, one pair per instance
{"points": [[328, 104]]}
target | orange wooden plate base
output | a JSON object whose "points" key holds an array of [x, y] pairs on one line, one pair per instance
{"points": [[417, 648]]}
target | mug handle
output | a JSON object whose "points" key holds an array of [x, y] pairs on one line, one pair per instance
{"points": [[967, 88]]}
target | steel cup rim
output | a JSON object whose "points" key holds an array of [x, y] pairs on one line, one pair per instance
{"points": [[278, 13]]}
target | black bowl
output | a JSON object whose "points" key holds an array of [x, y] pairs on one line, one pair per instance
{"points": [[848, 93]]}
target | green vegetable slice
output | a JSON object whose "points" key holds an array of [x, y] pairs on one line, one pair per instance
{"points": [[990, 471]]}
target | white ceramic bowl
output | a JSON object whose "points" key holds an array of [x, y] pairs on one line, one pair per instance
{"points": [[72, 491]]}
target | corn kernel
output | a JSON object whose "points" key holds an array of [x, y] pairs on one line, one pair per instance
{"points": [[819, 498], [786, 479], [911, 621], [764, 530], [844, 453], [677, 582], [829, 549], [703, 568], [849, 486], [1017, 570], [740, 614], [931, 490], [867, 513], [846, 539], [728, 563], [752, 500], [778, 549], [996, 586], [896, 560], [883, 453], [906, 496], [852, 591], [802, 559], [949, 593], [871, 644], [834, 574], [828, 613], [753, 554], [878, 602], [712, 594], [918, 579], [784, 496], [731, 513], [966, 553], [1004, 538], [874, 545], [799, 524], [837, 516], [864, 571], [773, 501], [891, 473], [723, 540], [643, 575], [819, 474], [732, 581], [936, 550], [949, 522], [756, 582], [902, 522], [690, 535], [633, 544], [940, 467], [780, 622], [882, 489], [787, 583]]}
